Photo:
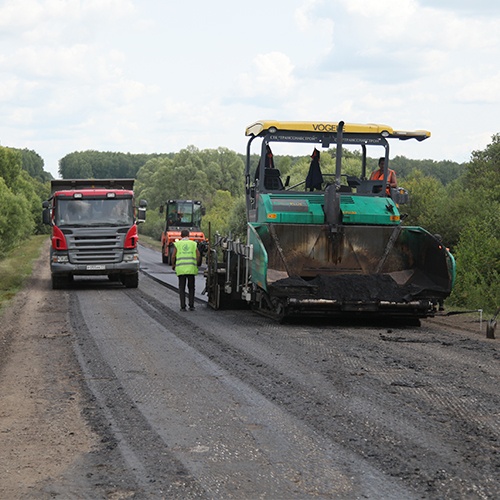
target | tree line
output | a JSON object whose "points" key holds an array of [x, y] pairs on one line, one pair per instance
{"points": [[92, 164], [461, 202], [23, 186]]}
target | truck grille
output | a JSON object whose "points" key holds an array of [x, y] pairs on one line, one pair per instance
{"points": [[95, 248]]}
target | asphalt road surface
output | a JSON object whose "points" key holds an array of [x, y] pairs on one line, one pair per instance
{"points": [[228, 404]]}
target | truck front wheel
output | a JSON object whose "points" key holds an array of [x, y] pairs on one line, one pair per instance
{"points": [[130, 280]]}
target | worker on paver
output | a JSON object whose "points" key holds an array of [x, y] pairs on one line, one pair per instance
{"points": [[378, 175]]}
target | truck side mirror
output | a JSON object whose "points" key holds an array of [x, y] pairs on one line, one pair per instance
{"points": [[141, 214], [46, 218], [143, 203]]}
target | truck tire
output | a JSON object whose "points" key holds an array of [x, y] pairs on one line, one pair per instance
{"points": [[130, 280]]}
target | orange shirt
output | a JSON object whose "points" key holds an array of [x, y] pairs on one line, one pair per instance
{"points": [[378, 175]]}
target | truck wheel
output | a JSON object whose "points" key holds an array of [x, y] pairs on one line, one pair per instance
{"points": [[130, 280], [164, 258]]}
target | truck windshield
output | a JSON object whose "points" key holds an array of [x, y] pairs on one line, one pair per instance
{"points": [[94, 212]]}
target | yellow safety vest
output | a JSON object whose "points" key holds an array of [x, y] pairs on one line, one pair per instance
{"points": [[185, 257]]}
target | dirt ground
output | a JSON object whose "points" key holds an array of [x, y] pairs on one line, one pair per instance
{"points": [[43, 429]]}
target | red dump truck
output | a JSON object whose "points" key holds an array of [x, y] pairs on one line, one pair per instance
{"points": [[94, 230]]}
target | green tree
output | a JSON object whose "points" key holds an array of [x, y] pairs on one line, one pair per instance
{"points": [[102, 165], [33, 164], [20, 201], [219, 215], [152, 181], [10, 165], [445, 171], [425, 207], [32, 191], [16, 222], [478, 262], [458, 205], [224, 169], [191, 174], [476, 207], [154, 225], [238, 219], [483, 171]]}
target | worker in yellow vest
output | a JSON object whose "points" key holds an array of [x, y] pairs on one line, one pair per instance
{"points": [[185, 261]]}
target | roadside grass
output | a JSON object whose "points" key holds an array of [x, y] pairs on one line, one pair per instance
{"points": [[17, 266], [149, 242]]}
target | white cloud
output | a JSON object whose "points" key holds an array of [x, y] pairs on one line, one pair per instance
{"points": [[484, 90], [388, 18], [21, 116], [16, 15], [319, 28], [272, 77], [33, 16], [140, 75], [478, 8]]}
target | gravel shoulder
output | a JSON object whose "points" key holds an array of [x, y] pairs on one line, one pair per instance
{"points": [[42, 430]]}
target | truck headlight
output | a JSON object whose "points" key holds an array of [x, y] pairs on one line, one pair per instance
{"points": [[60, 259], [130, 257]]}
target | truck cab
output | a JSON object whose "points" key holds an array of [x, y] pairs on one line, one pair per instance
{"points": [[94, 230]]}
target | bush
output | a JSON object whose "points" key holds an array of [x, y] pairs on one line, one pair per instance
{"points": [[16, 222], [478, 264]]}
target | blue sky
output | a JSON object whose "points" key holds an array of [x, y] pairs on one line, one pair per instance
{"points": [[156, 76]]}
